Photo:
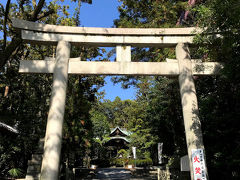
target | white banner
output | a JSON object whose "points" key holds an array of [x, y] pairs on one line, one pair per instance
{"points": [[199, 166], [134, 152], [160, 146]]}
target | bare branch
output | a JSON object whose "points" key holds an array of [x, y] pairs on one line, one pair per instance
{"points": [[6, 91], [6, 54], [21, 3], [45, 14], [34, 3], [78, 13], [2, 10], [12, 48], [37, 10], [25, 15]]}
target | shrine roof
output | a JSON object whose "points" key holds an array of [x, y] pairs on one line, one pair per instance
{"points": [[122, 130], [122, 138]]}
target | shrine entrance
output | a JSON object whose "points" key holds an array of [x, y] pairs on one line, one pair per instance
{"points": [[123, 39], [119, 139]]}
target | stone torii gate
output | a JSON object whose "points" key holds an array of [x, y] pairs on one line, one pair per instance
{"points": [[123, 39]]}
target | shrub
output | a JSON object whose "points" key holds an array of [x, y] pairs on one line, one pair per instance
{"points": [[127, 161], [15, 172]]}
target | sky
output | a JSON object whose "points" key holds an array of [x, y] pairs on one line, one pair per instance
{"points": [[101, 13]]}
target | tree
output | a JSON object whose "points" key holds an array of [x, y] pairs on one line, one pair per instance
{"points": [[32, 13], [25, 104], [27, 10], [219, 96]]}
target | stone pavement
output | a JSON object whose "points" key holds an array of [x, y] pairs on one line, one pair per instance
{"points": [[113, 173], [117, 174]]}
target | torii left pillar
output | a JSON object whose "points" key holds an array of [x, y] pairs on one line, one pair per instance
{"points": [[53, 137]]}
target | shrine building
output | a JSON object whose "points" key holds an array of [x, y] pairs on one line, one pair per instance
{"points": [[119, 139]]}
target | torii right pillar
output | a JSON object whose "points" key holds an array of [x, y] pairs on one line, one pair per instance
{"points": [[196, 152]]}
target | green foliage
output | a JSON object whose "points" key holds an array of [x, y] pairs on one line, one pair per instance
{"points": [[100, 122], [26, 104], [142, 162], [11, 155], [127, 114], [150, 13], [123, 153], [15, 172], [219, 96], [120, 113], [122, 162]]}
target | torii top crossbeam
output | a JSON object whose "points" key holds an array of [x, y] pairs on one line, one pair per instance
{"points": [[144, 37], [121, 38]]}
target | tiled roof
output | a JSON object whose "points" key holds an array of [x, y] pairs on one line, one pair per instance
{"points": [[123, 130], [123, 138]]}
